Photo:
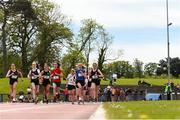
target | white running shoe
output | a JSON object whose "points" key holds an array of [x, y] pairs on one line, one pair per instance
{"points": [[14, 100]]}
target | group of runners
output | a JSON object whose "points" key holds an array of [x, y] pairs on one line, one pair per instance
{"points": [[78, 80]]}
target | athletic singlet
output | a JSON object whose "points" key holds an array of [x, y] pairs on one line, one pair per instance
{"points": [[56, 78], [14, 75], [79, 75], [71, 79], [94, 75], [34, 74], [46, 75]]}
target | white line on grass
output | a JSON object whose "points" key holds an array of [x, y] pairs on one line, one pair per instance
{"points": [[99, 114]]}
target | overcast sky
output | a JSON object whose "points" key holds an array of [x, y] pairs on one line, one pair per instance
{"points": [[138, 26]]}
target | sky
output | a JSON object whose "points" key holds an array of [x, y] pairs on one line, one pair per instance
{"points": [[138, 26]]}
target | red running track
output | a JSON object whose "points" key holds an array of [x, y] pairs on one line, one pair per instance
{"points": [[24, 111]]}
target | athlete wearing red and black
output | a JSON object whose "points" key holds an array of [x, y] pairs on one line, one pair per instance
{"points": [[56, 78], [56, 75]]}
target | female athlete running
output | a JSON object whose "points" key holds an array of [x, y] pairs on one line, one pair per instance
{"points": [[80, 82], [13, 75], [71, 85], [95, 75], [45, 77], [34, 75], [56, 75]]}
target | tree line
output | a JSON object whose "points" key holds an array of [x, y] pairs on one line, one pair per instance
{"points": [[138, 69], [37, 30]]}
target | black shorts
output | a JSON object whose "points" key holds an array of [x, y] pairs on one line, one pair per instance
{"points": [[71, 87], [35, 81], [82, 82], [96, 81], [12, 81], [45, 83]]}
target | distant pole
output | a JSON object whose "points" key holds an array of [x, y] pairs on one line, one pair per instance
{"points": [[169, 89], [168, 43]]}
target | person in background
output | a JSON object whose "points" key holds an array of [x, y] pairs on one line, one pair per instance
{"points": [[34, 75], [66, 95], [13, 75], [113, 94], [56, 75], [71, 85], [114, 76], [29, 94]]}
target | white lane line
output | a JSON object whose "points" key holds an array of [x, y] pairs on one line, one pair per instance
{"points": [[99, 114]]}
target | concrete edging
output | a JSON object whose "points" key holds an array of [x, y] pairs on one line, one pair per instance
{"points": [[99, 114]]}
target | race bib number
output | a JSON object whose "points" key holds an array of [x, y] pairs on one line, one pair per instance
{"points": [[46, 77], [79, 75], [34, 77], [14, 76], [94, 77], [71, 81], [56, 77]]}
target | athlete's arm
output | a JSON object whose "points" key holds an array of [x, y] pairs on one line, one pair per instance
{"points": [[67, 81], [41, 75], [29, 74], [8, 74], [83, 73], [101, 75], [90, 74], [60, 75], [20, 74]]}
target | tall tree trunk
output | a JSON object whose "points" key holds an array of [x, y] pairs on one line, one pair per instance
{"points": [[101, 59], [24, 59], [4, 49]]}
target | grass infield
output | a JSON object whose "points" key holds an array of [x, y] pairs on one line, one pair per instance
{"points": [[143, 110]]}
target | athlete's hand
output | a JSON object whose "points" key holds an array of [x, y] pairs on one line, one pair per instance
{"points": [[11, 74]]}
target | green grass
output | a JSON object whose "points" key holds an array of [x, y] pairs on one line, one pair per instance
{"points": [[22, 85], [153, 81], [143, 110]]}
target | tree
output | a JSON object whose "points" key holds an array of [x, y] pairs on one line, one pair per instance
{"points": [[103, 44], [174, 67], [121, 68], [87, 35], [4, 10], [70, 59], [150, 69], [53, 33], [22, 28], [162, 67], [79, 49], [138, 68]]}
